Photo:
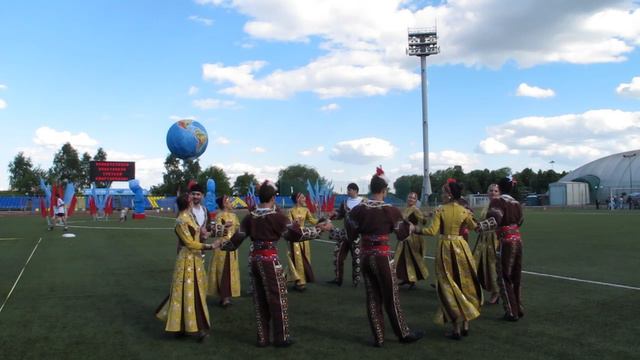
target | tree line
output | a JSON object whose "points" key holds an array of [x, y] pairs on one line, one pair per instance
{"points": [[69, 166], [477, 181]]}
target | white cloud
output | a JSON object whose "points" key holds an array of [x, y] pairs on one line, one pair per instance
{"points": [[330, 107], [148, 170], [193, 90], [312, 151], [3, 87], [3, 104], [221, 140], [201, 20], [47, 141], [570, 138], [211, 2], [54, 139], [233, 170], [440, 160], [208, 104], [364, 46], [259, 150], [178, 117], [362, 151], [337, 171], [631, 89], [534, 91]]}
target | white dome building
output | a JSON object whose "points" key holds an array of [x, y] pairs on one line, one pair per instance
{"points": [[611, 175]]}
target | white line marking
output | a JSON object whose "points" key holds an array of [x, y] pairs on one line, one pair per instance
{"points": [[20, 275], [541, 274], [116, 228], [7, 239]]}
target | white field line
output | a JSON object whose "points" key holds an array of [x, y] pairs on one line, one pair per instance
{"points": [[117, 228], [542, 274], [20, 275], [7, 239]]}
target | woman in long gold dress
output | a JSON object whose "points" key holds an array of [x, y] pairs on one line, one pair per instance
{"points": [[484, 252], [185, 311], [300, 270], [457, 284], [224, 273], [409, 256]]}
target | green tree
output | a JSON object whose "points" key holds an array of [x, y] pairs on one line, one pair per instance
{"points": [[191, 170], [295, 177], [23, 177], [172, 178], [223, 186], [66, 165], [242, 183], [406, 184], [85, 181], [100, 155]]}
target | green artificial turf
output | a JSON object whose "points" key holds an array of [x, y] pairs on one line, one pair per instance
{"points": [[94, 296]]}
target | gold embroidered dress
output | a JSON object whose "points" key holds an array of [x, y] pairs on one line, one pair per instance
{"points": [[185, 309], [457, 286], [409, 256], [224, 274], [487, 244], [299, 254]]}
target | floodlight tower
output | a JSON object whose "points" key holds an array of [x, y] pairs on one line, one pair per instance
{"points": [[424, 42]]}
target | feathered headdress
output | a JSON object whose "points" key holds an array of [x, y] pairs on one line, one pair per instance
{"points": [[380, 174]]}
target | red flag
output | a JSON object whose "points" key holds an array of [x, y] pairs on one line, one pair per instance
{"points": [[72, 206], [251, 205], [108, 209], [43, 208], [92, 206], [310, 205]]}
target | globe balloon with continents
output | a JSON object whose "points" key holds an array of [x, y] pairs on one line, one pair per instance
{"points": [[187, 139]]}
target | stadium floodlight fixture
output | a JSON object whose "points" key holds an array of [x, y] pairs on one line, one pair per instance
{"points": [[423, 42]]}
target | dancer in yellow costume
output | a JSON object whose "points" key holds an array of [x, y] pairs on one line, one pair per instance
{"points": [[409, 256], [185, 311], [457, 286], [300, 270], [224, 274], [485, 250]]}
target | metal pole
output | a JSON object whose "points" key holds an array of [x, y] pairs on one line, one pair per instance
{"points": [[426, 181]]}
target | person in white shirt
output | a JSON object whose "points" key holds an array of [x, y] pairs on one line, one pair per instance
{"points": [[61, 212], [198, 210], [344, 244]]}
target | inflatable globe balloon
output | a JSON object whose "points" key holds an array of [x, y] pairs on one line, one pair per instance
{"points": [[187, 139]]}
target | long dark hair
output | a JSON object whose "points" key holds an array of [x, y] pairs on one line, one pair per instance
{"points": [[183, 201]]}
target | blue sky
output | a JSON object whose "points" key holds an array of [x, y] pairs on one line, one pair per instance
{"points": [[321, 83]]}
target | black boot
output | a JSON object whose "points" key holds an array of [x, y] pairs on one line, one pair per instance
{"points": [[412, 337]]}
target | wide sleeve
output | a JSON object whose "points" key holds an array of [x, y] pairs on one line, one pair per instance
{"points": [[469, 222], [309, 217], [235, 225], [401, 227], [241, 233], [494, 216], [434, 228], [188, 235]]}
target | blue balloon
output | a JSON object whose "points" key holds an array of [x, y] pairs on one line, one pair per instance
{"points": [[210, 197], [138, 199], [187, 139]]}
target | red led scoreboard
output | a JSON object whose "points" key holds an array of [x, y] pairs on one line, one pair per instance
{"points": [[112, 170]]}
